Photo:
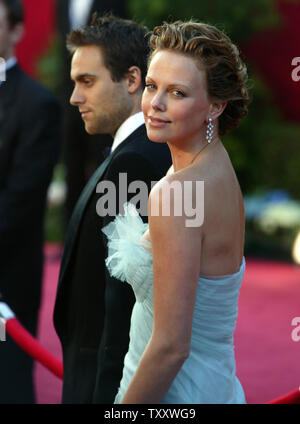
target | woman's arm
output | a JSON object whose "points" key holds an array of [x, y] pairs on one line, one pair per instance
{"points": [[176, 268]]}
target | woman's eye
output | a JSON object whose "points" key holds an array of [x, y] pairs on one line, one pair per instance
{"points": [[178, 93]]}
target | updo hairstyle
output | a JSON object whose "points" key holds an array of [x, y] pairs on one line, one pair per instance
{"points": [[214, 53]]}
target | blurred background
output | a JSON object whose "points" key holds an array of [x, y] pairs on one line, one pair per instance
{"points": [[264, 150]]}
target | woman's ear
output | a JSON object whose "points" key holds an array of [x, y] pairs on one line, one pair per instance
{"points": [[216, 109], [134, 79]]}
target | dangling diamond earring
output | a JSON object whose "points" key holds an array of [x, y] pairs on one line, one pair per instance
{"points": [[210, 130]]}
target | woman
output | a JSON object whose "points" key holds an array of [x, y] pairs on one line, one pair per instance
{"points": [[186, 277]]}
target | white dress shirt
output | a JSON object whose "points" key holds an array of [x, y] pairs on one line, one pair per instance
{"points": [[79, 12], [11, 62], [5, 66], [127, 128]]}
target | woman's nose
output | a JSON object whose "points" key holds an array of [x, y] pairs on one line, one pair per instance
{"points": [[158, 102]]}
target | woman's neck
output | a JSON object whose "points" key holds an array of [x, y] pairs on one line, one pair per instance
{"points": [[185, 155]]}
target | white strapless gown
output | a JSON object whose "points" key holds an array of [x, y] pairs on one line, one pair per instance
{"points": [[209, 373]]}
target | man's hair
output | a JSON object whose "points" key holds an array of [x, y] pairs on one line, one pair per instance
{"points": [[15, 12], [124, 43]]}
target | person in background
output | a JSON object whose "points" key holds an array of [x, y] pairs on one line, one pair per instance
{"points": [[30, 137], [92, 310], [82, 152]]}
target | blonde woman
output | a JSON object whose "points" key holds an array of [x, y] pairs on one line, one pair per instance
{"points": [[186, 277]]}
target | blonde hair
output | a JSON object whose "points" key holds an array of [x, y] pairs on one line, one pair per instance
{"points": [[215, 53]]}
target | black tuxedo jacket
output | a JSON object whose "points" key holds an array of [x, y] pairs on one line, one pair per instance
{"points": [[92, 311], [118, 7], [29, 148]]}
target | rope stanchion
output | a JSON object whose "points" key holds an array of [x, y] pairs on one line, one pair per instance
{"points": [[31, 346], [28, 343], [291, 397]]}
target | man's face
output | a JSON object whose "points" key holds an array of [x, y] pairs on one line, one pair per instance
{"points": [[9, 37], [5, 33], [104, 104]]}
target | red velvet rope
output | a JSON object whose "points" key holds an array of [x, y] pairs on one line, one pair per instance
{"points": [[31, 346], [292, 397]]}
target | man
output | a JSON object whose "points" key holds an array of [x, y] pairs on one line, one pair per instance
{"points": [[29, 149], [82, 152], [92, 311]]}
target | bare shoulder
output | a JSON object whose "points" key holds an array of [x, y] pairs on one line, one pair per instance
{"points": [[221, 180], [175, 202], [164, 197]]}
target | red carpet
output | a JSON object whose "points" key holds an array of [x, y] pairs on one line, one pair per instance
{"points": [[267, 358], [48, 386]]}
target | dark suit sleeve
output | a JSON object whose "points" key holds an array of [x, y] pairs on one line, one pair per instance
{"points": [[119, 297], [35, 153]]}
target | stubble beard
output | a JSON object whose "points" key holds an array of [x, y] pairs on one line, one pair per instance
{"points": [[109, 123]]}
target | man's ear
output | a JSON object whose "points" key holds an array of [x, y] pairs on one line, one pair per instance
{"points": [[134, 79], [17, 34]]}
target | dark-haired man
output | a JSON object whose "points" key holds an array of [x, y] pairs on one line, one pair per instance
{"points": [[82, 152], [29, 149], [92, 310]]}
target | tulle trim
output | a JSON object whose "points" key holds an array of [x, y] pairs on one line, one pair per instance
{"points": [[128, 260]]}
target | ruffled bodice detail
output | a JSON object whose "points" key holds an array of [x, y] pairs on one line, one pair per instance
{"points": [[129, 258]]}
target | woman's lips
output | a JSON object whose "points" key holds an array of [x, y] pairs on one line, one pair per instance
{"points": [[157, 122]]}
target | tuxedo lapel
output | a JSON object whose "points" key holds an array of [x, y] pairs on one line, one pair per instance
{"points": [[82, 202], [78, 212], [8, 88], [9, 111]]}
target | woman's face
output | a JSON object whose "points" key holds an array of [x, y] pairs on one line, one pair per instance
{"points": [[175, 102]]}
